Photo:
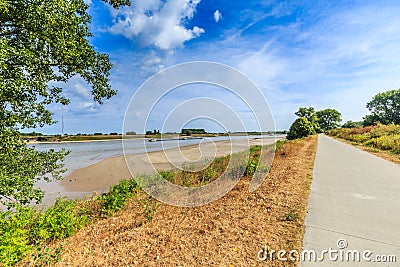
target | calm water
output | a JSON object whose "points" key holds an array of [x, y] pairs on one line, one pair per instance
{"points": [[83, 154]]}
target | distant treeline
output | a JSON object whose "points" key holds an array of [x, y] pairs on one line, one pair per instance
{"points": [[193, 131]]}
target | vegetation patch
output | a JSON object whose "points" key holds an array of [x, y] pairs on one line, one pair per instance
{"points": [[383, 140], [27, 231]]}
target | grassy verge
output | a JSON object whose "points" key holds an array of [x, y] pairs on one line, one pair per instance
{"points": [[381, 140], [189, 177], [227, 232]]}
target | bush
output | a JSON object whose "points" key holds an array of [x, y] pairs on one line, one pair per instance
{"points": [[115, 199], [300, 128], [382, 130], [14, 236], [168, 175], [58, 222], [24, 230]]}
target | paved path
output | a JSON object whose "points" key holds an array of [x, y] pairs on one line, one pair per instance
{"points": [[355, 196]]}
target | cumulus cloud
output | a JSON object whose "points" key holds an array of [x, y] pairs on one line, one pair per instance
{"points": [[156, 22], [81, 89], [217, 15]]}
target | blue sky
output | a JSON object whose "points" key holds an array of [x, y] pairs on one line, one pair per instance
{"points": [[325, 54]]}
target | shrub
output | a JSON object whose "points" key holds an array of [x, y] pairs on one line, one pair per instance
{"points": [[168, 175], [57, 222], [27, 228], [14, 236], [300, 128], [381, 130], [115, 199], [359, 138]]}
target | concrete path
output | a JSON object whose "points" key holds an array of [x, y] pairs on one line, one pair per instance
{"points": [[355, 198]]}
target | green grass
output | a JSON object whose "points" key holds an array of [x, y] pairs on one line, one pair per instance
{"points": [[189, 177]]}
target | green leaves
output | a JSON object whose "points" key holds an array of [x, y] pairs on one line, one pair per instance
{"points": [[42, 45], [311, 122], [305, 125], [42, 42], [115, 199], [328, 119], [385, 108], [300, 128], [21, 167], [23, 231], [118, 3]]}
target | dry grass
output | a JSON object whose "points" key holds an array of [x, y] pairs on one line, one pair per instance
{"points": [[227, 232]]}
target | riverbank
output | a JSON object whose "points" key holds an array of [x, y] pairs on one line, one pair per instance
{"points": [[100, 176], [228, 232]]}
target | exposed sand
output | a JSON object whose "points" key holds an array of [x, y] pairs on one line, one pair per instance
{"points": [[100, 176]]}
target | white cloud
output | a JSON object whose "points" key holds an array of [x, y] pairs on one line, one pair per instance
{"points": [[339, 61], [217, 15], [87, 105], [156, 22], [262, 66], [82, 90]]}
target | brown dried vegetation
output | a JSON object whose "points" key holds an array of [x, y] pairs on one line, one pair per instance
{"points": [[227, 232]]}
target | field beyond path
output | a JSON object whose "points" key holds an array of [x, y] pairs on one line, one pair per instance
{"points": [[227, 232], [355, 196]]}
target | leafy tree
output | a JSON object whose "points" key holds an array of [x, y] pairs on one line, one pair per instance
{"points": [[352, 124], [384, 108], [42, 45], [305, 125], [370, 120], [311, 122], [308, 113], [300, 128], [328, 119]]}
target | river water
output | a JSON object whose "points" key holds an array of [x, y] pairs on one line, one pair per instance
{"points": [[83, 154]]}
